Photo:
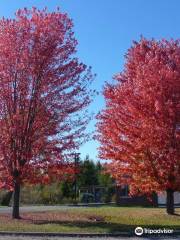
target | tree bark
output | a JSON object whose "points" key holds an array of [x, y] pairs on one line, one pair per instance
{"points": [[16, 198], [170, 201]]}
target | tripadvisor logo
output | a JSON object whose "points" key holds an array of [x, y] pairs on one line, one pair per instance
{"points": [[139, 231]]}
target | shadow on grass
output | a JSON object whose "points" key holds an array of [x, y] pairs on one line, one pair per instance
{"points": [[176, 214], [102, 226], [106, 227]]}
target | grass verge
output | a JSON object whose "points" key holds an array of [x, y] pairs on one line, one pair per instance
{"points": [[91, 220]]}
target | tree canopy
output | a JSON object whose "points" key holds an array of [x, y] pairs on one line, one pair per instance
{"points": [[139, 129], [44, 93]]}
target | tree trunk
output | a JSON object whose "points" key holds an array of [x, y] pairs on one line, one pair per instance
{"points": [[170, 201], [16, 197]]}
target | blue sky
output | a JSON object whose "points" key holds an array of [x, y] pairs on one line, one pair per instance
{"points": [[105, 30]]}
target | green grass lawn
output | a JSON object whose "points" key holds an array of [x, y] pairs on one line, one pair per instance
{"points": [[91, 220]]}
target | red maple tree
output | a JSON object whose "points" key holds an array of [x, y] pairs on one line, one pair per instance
{"points": [[44, 92], [139, 129]]}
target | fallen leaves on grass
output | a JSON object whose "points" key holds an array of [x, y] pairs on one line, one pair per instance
{"points": [[52, 218]]}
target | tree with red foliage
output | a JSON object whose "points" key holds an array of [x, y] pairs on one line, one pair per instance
{"points": [[44, 93], [139, 129]]}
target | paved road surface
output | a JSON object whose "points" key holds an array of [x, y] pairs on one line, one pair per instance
{"points": [[78, 238], [35, 208]]}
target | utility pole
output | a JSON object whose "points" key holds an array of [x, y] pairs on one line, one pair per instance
{"points": [[76, 162]]}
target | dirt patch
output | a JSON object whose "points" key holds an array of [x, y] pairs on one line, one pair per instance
{"points": [[52, 217], [96, 218]]}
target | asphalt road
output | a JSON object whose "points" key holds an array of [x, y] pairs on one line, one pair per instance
{"points": [[35, 208], [78, 238]]}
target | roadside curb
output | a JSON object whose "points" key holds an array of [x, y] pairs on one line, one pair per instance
{"points": [[52, 234], [83, 235]]}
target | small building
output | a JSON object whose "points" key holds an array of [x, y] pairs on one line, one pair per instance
{"points": [[124, 199], [91, 194]]}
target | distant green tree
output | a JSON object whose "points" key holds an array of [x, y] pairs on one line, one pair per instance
{"points": [[6, 198], [67, 189], [88, 175]]}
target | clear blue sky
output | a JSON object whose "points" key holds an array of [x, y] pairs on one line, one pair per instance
{"points": [[105, 30]]}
